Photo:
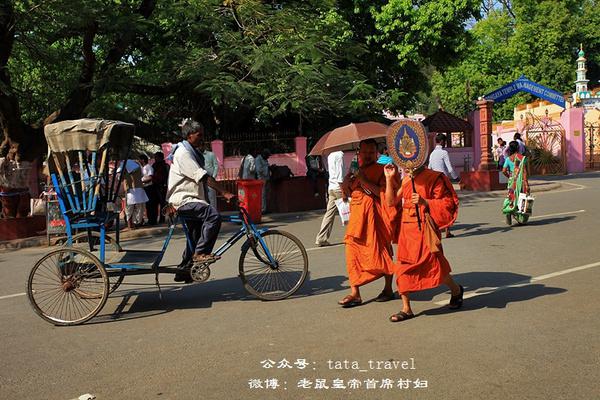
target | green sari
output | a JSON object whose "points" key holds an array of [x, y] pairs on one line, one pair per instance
{"points": [[517, 183]]}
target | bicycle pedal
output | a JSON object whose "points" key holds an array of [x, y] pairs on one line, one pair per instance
{"points": [[199, 265]]}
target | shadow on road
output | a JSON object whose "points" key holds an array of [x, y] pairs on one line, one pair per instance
{"points": [[485, 284], [147, 303], [500, 298], [548, 221], [464, 230]]}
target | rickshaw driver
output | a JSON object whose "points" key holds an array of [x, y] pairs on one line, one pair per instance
{"points": [[187, 194]]}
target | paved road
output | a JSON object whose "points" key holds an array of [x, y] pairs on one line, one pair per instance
{"points": [[528, 330]]}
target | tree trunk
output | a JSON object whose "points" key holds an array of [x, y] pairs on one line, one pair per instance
{"points": [[26, 140]]}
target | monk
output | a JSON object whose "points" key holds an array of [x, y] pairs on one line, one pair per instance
{"points": [[421, 262], [368, 235]]}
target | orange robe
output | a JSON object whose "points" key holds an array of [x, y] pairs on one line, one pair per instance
{"points": [[368, 235], [421, 262]]}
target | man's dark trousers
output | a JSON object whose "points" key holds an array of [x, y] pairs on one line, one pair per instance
{"points": [[204, 223]]}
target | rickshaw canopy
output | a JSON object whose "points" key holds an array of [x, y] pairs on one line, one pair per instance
{"points": [[89, 135]]}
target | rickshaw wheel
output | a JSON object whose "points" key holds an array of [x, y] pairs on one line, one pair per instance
{"points": [[67, 286], [273, 282], [112, 248]]}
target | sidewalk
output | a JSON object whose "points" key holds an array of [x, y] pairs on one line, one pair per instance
{"points": [[143, 232], [536, 186], [161, 230]]}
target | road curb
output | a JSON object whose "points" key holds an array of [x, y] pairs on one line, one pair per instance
{"points": [[42, 241], [157, 231], [546, 187]]}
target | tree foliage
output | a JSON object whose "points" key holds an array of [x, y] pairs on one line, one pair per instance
{"points": [[234, 64], [539, 39], [243, 65]]}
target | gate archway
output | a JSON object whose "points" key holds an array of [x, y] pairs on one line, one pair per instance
{"points": [[545, 138]]}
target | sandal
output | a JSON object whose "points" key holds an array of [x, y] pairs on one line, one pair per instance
{"points": [[350, 301], [205, 258], [401, 316], [456, 302], [383, 297]]}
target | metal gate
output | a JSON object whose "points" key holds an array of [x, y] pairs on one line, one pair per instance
{"points": [[545, 138], [592, 145]]}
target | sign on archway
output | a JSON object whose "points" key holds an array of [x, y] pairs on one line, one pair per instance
{"points": [[522, 84]]}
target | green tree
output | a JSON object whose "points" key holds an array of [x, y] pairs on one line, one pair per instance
{"points": [[53, 56], [539, 39], [233, 64]]}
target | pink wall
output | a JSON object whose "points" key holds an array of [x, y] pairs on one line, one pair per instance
{"points": [[506, 134], [301, 152], [218, 148], [573, 122], [231, 165], [457, 157], [456, 154]]}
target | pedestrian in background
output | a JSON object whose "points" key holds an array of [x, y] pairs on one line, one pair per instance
{"points": [[211, 165], [135, 198], [522, 147], [499, 153], [439, 161], [248, 166], [160, 179], [148, 184], [335, 164], [262, 173], [314, 170]]}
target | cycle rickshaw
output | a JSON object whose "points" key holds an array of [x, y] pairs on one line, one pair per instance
{"points": [[70, 285]]}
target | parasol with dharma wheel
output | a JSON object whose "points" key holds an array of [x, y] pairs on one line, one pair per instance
{"points": [[409, 147]]}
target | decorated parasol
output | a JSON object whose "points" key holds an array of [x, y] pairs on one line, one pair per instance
{"points": [[409, 147]]}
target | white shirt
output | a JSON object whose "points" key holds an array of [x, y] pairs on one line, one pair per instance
{"points": [[335, 165], [185, 178], [136, 196], [439, 160], [147, 172]]}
